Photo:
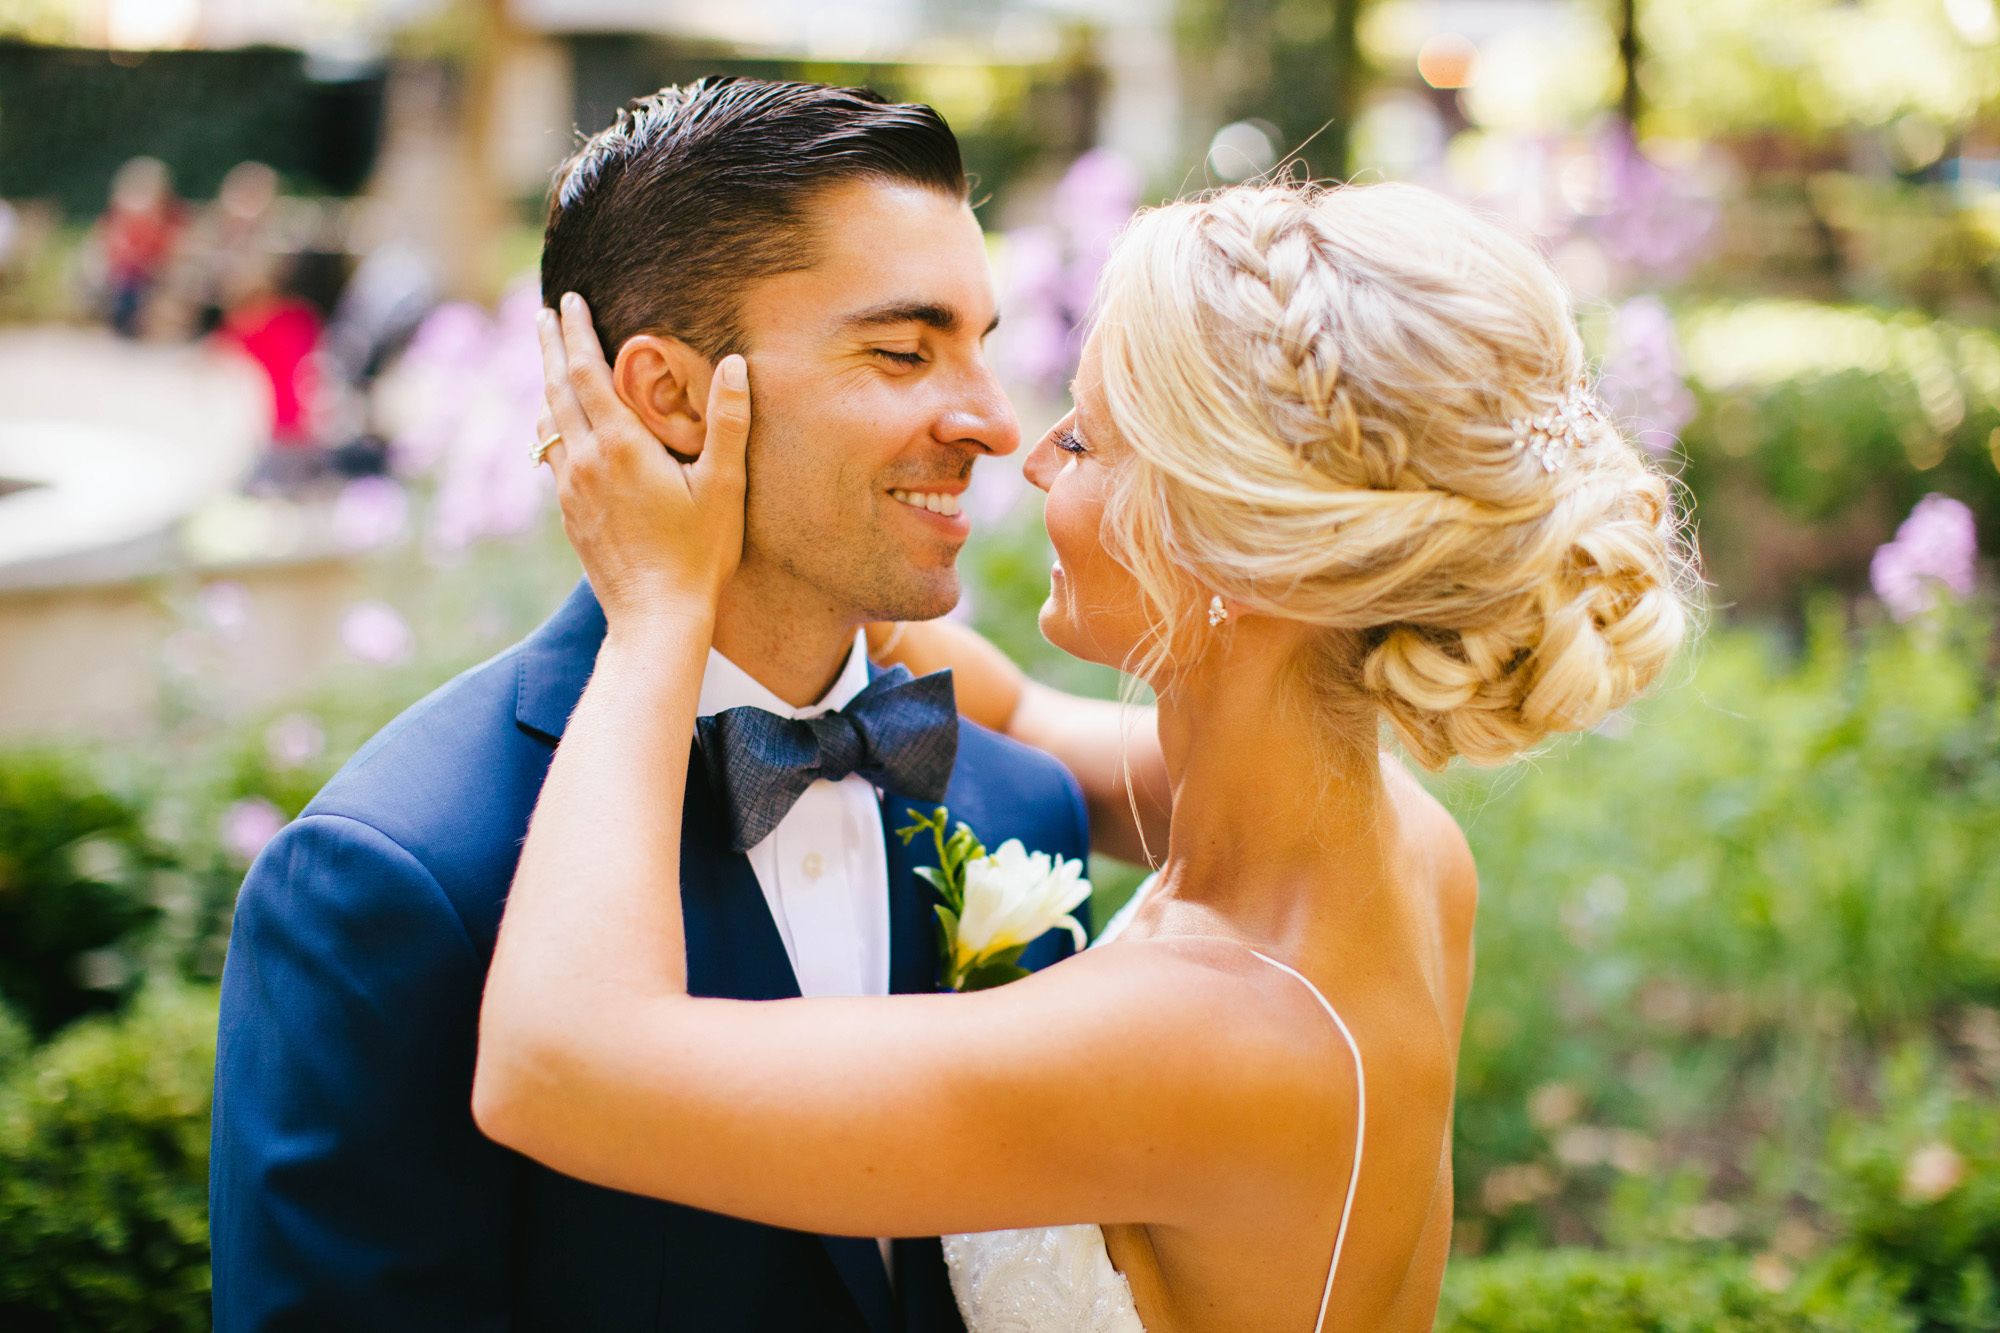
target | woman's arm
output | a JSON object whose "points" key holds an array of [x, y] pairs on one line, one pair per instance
{"points": [[1175, 1082], [1102, 743]]}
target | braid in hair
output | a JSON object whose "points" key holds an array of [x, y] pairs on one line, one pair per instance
{"points": [[1323, 391]]}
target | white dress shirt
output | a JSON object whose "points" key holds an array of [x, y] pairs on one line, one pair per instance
{"points": [[824, 869]]}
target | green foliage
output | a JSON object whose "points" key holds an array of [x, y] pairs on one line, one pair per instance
{"points": [[1916, 1192], [1697, 925], [1819, 427], [1808, 67], [104, 1173], [74, 866], [1571, 1291]]}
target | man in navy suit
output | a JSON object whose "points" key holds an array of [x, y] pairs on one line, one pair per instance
{"points": [[350, 1188]]}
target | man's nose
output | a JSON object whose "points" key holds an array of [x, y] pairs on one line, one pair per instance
{"points": [[980, 415]]}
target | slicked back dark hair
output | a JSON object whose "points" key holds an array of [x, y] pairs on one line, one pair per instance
{"points": [[661, 220]]}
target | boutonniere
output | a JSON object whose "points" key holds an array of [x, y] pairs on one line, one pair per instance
{"points": [[995, 904]]}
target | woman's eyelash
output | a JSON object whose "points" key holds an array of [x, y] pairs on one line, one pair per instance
{"points": [[1069, 442], [901, 358]]}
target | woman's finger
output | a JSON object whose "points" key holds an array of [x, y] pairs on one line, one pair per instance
{"points": [[549, 440], [589, 374], [728, 421], [564, 411]]}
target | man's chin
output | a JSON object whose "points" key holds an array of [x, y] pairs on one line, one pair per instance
{"points": [[922, 598]]}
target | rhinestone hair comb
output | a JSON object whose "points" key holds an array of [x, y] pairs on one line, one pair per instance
{"points": [[1549, 436]]}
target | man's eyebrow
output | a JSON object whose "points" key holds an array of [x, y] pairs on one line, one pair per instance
{"points": [[936, 314]]}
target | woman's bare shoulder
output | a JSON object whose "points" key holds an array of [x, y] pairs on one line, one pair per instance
{"points": [[1440, 840]]}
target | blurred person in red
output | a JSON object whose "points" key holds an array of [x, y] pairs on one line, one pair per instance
{"points": [[137, 234], [280, 332]]}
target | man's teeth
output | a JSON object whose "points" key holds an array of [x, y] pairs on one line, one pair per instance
{"points": [[935, 501]]}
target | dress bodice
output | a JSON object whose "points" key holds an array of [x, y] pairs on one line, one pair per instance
{"points": [[1039, 1280], [1061, 1279]]}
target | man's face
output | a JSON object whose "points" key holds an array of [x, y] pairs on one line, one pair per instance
{"points": [[871, 398]]}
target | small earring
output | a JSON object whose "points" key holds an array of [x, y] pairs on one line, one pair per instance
{"points": [[1217, 612]]}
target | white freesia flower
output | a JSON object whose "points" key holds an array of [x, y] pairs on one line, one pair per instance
{"points": [[991, 906], [1013, 898]]}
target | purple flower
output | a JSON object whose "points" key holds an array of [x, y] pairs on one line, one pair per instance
{"points": [[1658, 222], [371, 512], [248, 824], [294, 739], [1935, 547], [1642, 381], [1094, 200], [374, 632], [445, 358], [486, 486], [996, 489], [1052, 271]]}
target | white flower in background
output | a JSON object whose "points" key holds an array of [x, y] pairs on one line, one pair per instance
{"points": [[1013, 898], [995, 905]]}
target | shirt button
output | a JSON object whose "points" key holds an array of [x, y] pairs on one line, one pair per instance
{"points": [[815, 865]]}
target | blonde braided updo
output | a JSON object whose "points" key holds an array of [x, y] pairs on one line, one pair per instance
{"points": [[1322, 391]]}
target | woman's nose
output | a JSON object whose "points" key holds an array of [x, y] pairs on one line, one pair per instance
{"points": [[1043, 461]]}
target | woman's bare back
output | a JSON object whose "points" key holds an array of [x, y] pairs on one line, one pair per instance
{"points": [[1392, 955]]}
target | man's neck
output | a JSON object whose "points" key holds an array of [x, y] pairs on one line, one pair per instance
{"points": [[792, 640]]}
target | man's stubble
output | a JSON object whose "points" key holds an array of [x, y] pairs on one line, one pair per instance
{"points": [[824, 529]]}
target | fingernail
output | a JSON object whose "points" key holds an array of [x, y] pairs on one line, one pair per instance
{"points": [[734, 375], [571, 301], [543, 316]]}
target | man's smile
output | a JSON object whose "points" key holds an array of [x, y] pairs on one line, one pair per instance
{"points": [[937, 502]]}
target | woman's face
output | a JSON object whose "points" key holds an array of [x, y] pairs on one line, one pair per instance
{"points": [[1094, 610]]}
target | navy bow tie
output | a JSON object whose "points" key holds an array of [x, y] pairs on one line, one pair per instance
{"points": [[900, 734]]}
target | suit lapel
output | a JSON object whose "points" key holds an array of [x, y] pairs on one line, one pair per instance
{"points": [[923, 1289], [913, 938], [734, 950]]}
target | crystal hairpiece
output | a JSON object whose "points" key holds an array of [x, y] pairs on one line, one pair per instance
{"points": [[1550, 435]]}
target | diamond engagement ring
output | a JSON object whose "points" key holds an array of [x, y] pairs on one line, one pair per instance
{"points": [[541, 451]]}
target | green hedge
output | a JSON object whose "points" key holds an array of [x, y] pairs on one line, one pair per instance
{"points": [[1579, 1291], [74, 877], [104, 1173], [1915, 1190]]}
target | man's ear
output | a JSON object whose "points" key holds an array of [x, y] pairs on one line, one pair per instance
{"points": [[665, 383]]}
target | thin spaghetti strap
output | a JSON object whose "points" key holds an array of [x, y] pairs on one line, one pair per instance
{"points": [[1360, 1132]]}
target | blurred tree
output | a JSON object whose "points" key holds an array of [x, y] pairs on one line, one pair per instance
{"points": [[1812, 67], [69, 118], [1296, 64]]}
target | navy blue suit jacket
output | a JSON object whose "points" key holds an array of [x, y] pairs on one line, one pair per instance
{"points": [[349, 1187]]}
